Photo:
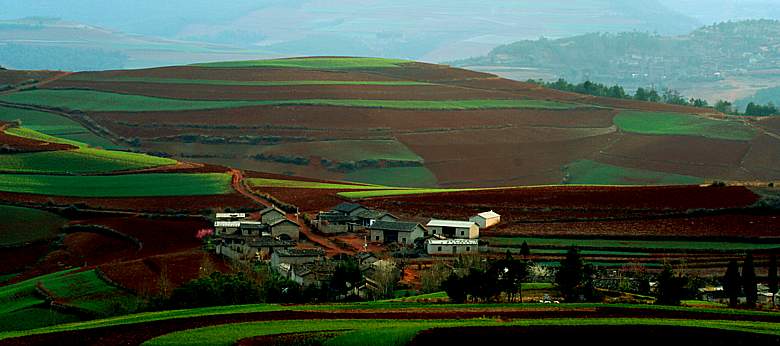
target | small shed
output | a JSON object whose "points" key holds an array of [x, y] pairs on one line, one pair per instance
{"points": [[454, 229], [452, 246], [226, 227], [252, 228], [396, 232], [368, 217], [486, 219], [285, 229], [296, 256], [350, 209], [271, 214]]}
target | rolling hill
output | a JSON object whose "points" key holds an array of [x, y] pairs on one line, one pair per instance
{"points": [[399, 123]]}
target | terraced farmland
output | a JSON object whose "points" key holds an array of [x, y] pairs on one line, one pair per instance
{"points": [[23, 225], [314, 117]]}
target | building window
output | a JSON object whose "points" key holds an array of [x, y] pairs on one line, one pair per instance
{"points": [[468, 248], [462, 232], [439, 248], [403, 240], [377, 238]]}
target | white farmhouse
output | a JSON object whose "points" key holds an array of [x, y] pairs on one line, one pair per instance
{"points": [[452, 246], [454, 229], [486, 219]]}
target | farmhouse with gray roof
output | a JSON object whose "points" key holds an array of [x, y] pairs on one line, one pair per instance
{"points": [[396, 232]]}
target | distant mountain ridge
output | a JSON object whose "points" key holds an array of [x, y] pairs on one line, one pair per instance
{"points": [[706, 54]]}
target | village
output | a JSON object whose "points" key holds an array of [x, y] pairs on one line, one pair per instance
{"points": [[271, 237]]}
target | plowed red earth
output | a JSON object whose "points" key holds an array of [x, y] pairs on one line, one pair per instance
{"points": [[12, 77], [241, 74], [134, 334], [188, 204], [150, 275], [307, 200], [298, 92]]}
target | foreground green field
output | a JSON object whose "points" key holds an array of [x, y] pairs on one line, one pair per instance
{"points": [[87, 292], [21, 225], [53, 125], [21, 307], [312, 63], [590, 172], [655, 123], [399, 332], [132, 185], [97, 101]]}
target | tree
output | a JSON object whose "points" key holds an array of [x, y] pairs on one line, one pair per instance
{"points": [[772, 277], [455, 287], [731, 283], [525, 251], [510, 274], [724, 107], [569, 276], [670, 287], [749, 281], [346, 276], [588, 285]]}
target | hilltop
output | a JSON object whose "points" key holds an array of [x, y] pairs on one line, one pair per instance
{"points": [[402, 123]]}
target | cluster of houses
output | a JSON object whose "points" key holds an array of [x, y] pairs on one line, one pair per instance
{"points": [[238, 237], [442, 237]]}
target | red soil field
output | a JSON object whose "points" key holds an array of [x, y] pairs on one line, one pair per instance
{"points": [[762, 158], [264, 118], [187, 204], [12, 77], [237, 74], [736, 225], [307, 200], [686, 155], [149, 275], [770, 123], [18, 259], [228, 92]]}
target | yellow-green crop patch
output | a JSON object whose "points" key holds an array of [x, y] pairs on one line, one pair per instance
{"points": [[88, 292], [53, 125], [129, 185], [656, 123], [345, 63], [79, 161], [296, 184], [98, 101]]}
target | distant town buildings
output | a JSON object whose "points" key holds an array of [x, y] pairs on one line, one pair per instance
{"points": [[239, 238]]}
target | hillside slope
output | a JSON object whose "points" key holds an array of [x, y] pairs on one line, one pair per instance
{"points": [[403, 123]]}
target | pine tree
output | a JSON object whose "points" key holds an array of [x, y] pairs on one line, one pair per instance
{"points": [[525, 250], [731, 283], [772, 277], [569, 276], [749, 281]]}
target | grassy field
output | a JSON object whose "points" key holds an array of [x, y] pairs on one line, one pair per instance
{"points": [[131, 185], [88, 292], [312, 63], [54, 125], [399, 332], [97, 101], [625, 245], [592, 172], [21, 225], [22, 308], [348, 150], [88, 77], [297, 184], [79, 161], [653, 123], [395, 176]]}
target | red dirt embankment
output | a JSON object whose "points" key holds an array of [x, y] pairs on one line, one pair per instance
{"points": [[15, 144]]}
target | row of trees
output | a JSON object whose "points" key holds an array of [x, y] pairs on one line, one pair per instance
{"points": [[504, 276], [735, 284], [668, 96]]}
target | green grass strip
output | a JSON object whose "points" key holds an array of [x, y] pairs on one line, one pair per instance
{"points": [[54, 125], [337, 63], [22, 225], [124, 79], [131, 185], [97, 101], [296, 184], [593, 172], [79, 161], [400, 332], [656, 123]]}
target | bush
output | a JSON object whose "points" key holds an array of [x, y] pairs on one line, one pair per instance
{"points": [[215, 290]]}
